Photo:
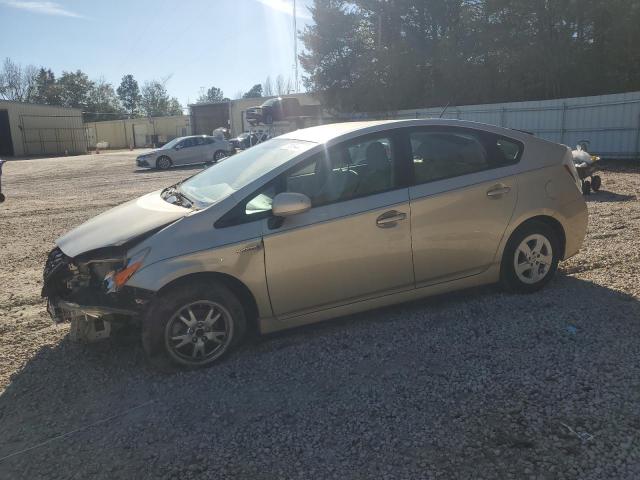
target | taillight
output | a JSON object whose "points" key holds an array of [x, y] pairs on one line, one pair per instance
{"points": [[568, 169]]}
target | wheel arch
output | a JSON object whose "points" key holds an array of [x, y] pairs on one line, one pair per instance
{"points": [[548, 220], [164, 156], [245, 296]]}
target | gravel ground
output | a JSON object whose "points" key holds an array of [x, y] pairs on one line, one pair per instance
{"points": [[476, 384]]}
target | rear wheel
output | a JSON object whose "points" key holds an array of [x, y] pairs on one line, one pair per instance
{"points": [[586, 187], [530, 259], [163, 163], [219, 155], [194, 325]]}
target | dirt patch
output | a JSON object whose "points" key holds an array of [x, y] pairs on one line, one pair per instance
{"points": [[476, 384]]}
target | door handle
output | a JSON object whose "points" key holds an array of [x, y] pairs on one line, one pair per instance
{"points": [[390, 219], [250, 248], [498, 191]]}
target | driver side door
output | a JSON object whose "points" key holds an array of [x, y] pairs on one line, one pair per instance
{"points": [[184, 152], [355, 241]]}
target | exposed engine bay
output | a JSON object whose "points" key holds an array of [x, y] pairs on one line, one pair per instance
{"points": [[82, 291]]}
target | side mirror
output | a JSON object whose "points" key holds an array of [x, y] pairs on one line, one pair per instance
{"points": [[289, 203], [177, 147]]}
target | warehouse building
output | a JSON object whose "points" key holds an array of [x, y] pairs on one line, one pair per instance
{"points": [[206, 117], [32, 129], [137, 132]]}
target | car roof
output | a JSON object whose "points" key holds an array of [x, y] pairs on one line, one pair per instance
{"points": [[334, 131], [193, 136]]}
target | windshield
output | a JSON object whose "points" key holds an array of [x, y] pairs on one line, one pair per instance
{"points": [[171, 144], [224, 178]]}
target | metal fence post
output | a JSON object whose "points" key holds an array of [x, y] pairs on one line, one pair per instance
{"points": [[638, 139], [563, 124], [503, 116]]}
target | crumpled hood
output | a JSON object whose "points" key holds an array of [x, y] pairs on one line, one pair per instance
{"points": [[121, 224]]}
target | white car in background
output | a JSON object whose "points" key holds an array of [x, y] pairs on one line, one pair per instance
{"points": [[186, 151]]}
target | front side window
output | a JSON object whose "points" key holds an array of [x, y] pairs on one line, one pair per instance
{"points": [[350, 170], [446, 153], [187, 142], [224, 178]]}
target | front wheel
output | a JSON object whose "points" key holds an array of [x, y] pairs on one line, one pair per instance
{"points": [[530, 259], [219, 155], [194, 325], [163, 163]]}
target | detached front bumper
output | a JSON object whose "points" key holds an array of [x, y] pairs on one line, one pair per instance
{"points": [[64, 310], [92, 321]]}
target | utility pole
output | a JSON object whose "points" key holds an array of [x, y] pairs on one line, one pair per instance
{"points": [[295, 48]]}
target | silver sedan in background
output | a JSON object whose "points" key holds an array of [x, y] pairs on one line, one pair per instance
{"points": [[186, 151]]}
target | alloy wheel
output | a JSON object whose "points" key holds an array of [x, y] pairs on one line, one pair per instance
{"points": [[199, 332], [164, 163], [533, 258]]}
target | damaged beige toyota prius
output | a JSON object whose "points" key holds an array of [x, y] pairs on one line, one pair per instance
{"points": [[316, 224]]}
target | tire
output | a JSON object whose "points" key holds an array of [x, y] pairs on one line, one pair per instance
{"points": [[194, 325], [596, 183], [219, 155], [586, 187], [163, 163], [537, 267]]}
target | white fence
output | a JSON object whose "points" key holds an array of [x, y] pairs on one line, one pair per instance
{"points": [[609, 123]]}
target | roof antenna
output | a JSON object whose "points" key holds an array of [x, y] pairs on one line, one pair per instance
{"points": [[444, 109]]}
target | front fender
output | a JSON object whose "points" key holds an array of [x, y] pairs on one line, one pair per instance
{"points": [[236, 260]]}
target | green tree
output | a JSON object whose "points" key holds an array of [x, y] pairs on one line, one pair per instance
{"points": [[129, 94], [213, 95], [102, 102], [46, 89], [372, 55], [254, 92], [74, 88], [175, 108], [155, 101]]}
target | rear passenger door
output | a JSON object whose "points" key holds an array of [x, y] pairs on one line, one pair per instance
{"points": [[463, 194], [200, 150]]}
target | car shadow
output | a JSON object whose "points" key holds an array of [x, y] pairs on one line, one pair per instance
{"points": [[147, 171], [66, 391], [607, 196]]}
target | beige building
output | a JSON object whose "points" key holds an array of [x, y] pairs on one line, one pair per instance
{"points": [[33, 129], [137, 132]]}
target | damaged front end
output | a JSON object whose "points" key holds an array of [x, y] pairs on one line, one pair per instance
{"points": [[89, 291]]}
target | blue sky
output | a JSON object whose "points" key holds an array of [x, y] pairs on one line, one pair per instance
{"points": [[230, 44]]}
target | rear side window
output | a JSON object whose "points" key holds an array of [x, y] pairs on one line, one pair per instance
{"points": [[446, 153]]}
